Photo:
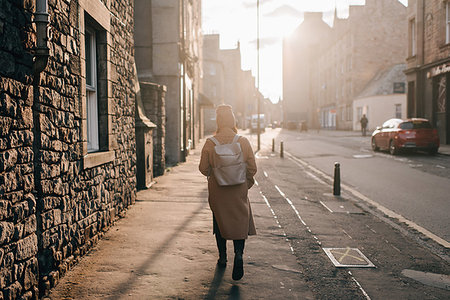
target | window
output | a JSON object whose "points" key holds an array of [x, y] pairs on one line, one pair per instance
{"points": [[398, 111], [91, 90], [447, 18], [412, 38]]}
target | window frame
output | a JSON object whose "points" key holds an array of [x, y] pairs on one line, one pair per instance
{"points": [[413, 37], [92, 92], [447, 22], [96, 17]]}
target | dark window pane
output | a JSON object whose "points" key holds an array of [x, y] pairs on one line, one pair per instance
{"points": [[88, 51]]}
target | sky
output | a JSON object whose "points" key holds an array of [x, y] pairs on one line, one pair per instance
{"points": [[236, 20]]}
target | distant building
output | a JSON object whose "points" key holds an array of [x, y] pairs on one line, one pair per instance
{"points": [[224, 82], [383, 98], [325, 68], [213, 80], [168, 52], [231, 59], [428, 63]]}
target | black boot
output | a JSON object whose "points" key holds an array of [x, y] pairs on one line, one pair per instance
{"points": [[238, 267], [222, 247]]}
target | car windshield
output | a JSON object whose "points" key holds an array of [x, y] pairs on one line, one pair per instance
{"points": [[415, 125]]}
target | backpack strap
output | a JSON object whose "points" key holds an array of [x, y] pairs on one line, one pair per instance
{"points": [[235, 139], [215, 141]]}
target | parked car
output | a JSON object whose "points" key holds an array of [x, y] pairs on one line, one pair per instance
{"points": [[396, 134]]}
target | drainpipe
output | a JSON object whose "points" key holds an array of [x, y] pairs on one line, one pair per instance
{"points": [[41, 18]]}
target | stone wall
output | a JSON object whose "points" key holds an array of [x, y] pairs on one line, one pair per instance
{"points": [[18, 236], [55, 198], [153, 98]]}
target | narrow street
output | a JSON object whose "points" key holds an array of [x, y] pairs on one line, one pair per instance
{"points": [[299, 189], [300, 226]]}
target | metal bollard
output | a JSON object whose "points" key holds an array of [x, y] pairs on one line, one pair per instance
{"points": [[273, 145], [281, 150], [337, 179]]}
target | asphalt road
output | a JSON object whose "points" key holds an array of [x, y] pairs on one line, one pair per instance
{"points": [[298, 189], [413, 185]]}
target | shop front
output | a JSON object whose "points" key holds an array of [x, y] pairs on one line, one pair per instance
{"points": [[440, 79]]}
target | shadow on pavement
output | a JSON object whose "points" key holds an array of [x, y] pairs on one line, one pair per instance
{"points": [[235, 293], [217, 280], [123, 288]]}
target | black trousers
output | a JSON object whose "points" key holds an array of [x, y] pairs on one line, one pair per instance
{"points": [[222, 243]]}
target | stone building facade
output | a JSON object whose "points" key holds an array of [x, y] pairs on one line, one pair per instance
{"points": [[67, 136], [428, 63], [168, 52], [213, 79], [323, 78]]}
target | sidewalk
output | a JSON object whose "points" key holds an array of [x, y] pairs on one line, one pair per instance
{"points": [[164, 249]]}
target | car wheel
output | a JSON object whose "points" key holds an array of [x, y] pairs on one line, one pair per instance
{"points": [[433, 151], [374, 145], [392, 149]]}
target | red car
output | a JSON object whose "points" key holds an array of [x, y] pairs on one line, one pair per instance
{"points": [[397, 134]]}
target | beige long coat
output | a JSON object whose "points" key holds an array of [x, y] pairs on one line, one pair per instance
{"points": [[230, 204]]}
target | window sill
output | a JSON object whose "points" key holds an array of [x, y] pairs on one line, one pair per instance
{"points": [[97, 158]]}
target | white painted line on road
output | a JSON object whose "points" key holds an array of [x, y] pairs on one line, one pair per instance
{"points": [[325, 206], [439, 166], [380, 207], [291, 204], [362, 156], [276, 220], [347, 234], [359, 286], [265, 174], [399, 217], [279, 191], [256, 182], [315, 177]]}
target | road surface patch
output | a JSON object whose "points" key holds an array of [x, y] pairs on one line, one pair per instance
{"points": [[432, 279], [348, 258], [341, 207]]}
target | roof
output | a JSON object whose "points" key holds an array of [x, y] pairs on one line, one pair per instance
{"points": [[383, 82]]}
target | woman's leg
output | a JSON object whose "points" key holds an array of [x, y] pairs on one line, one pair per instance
{"points": [[238, 267], [221, 244]]}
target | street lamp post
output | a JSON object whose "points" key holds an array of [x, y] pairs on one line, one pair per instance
{"points": [[258, 128]]}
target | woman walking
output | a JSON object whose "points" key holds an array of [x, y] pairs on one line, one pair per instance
{"points": [[232, 214]]}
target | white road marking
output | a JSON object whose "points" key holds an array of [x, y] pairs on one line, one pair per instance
{"points": [[326, 206], [276, 219], [265, 174], [380, 207], [359, 285]]}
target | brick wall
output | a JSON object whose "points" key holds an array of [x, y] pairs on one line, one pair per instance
{"points": [[56, 199]]}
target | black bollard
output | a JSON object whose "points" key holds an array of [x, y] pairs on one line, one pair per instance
{"points": [[273, 145], [337, 179], [281, 149]]}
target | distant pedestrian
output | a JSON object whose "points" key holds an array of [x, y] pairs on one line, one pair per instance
{"points": [[364, 122], [232, 214]]}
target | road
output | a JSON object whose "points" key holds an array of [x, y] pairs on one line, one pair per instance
{"points": [[407, 243], [413, 185]]}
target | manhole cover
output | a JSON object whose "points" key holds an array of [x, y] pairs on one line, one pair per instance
{"points": [[348, 258]]}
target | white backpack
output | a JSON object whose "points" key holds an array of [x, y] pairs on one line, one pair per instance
{"points": [[230, 165]]}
